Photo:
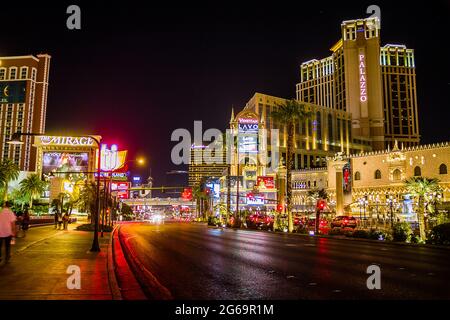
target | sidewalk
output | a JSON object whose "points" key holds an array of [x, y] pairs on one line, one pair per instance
{"points": [[37, 269]]}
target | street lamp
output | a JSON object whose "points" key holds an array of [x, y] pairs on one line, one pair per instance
{"points": [[15, 140]]}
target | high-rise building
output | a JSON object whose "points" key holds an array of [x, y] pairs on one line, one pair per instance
{"points": [[376, 85], [204, 163], [23, 104], [326, 132]]}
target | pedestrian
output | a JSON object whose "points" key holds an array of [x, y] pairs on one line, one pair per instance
{"points": [[25, 222], [7, 230], [60, 221], [56, 218], [65, 220]]}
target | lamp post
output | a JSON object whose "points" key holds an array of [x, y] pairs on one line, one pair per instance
{"points": [[15, 140]]}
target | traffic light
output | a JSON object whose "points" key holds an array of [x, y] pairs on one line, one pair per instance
{"points": [[321, 205]]}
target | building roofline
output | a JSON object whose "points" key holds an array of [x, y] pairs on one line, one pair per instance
{"points": [[20, 57], [413, 148]]}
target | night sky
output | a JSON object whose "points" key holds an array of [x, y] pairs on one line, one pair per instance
{"points": [[137, 71]]}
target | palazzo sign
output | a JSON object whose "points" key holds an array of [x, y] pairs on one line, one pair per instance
{"points": [[362, 78]]}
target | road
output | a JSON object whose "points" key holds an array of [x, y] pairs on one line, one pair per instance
{"points": [[194, 261]]}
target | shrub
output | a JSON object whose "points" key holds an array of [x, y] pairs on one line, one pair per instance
{"points": [[377, 234], [90, 227], [401, 231], [440, 234], [362, 234], [334, 232], [213, 221]]}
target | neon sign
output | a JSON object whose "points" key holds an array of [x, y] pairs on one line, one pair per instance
{"points": [[362, 78], [70, 141]]}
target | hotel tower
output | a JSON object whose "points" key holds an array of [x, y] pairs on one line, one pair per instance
{"points": [[376, 85], [23, 104]]}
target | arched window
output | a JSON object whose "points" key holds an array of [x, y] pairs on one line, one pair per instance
{"points": [[378, 174], [357, 175], [417, 171], [443, 169], [397, 174]]}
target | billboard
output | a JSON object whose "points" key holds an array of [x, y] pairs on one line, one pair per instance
{"points": [[121, 189], [65, 162], [248, 143], [13, 91], [265, 182], [347, 178]]}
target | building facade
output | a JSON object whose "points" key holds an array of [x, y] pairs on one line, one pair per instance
{"points": [[23, 105], [375, 181], [328, 131], [377, 85], [205, 163]]}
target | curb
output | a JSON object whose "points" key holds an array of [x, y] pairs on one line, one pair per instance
{"points": [[152, 288], [112, 279], [120, 272]]}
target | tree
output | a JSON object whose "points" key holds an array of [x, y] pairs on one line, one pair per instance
{"points": [[422, 188], [200, 196], [33, 187], [88, 197], [288, 115], [20, 199], [9, 171]]}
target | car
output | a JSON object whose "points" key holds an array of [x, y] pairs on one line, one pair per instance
{"points": [[344, 222], [259, 221]]}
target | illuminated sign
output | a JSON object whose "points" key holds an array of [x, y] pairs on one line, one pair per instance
{"points": [[248, 125], [248, 143], [121, 189], [265, 182], [112, 159], [347, 178], [65, 162], [136, 179], [13, 91], [66, 141], [255, 200], [362, 78]]}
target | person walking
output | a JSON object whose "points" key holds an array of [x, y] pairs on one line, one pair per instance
{"points": [[55, 213], [65, 220], [25, 222], [7, 230], [60, 220]]}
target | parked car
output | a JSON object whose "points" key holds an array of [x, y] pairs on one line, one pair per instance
{"points": [[259, 221], [344, 222]]}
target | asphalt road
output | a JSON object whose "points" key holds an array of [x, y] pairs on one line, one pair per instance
{"points": [[198, 262]]}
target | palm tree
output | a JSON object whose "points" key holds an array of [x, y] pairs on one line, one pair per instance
{"points": [[9, 170], [19, 198], [288, 115], [88, 197], [33, 187], [199, 195], [422, 188]]}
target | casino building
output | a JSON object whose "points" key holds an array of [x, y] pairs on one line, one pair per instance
{"points": [[65, 160], [23, 104], [376, 85], [375, 182]]}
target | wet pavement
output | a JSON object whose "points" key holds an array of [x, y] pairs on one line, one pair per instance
{"points": [[194, 261], [39, 263]]}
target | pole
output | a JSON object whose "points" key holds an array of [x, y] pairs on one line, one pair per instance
{"points": [[95, 245], [228, 194]]}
